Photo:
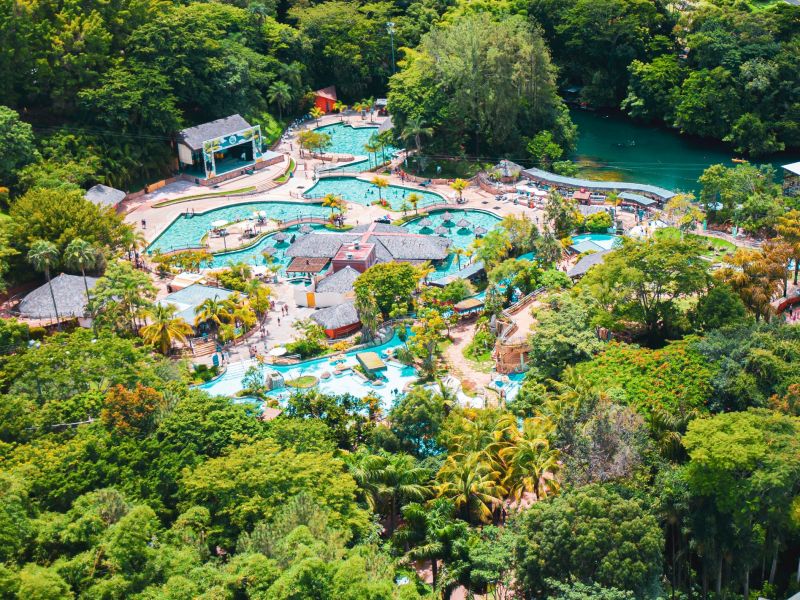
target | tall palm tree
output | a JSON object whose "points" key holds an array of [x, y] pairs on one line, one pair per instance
{"points": [[459, 185], [400, 480], [371, 147], [215, 311], [526, 457], [332, 201], [415, 129], [471, 484], [380, 183], [316, 113], [414, 199], [279, 94], [81, 255], [43, 255], [132, 239], [458, 253], [164, 328]]}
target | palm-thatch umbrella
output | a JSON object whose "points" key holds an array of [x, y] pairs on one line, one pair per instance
{"points": [[463, 224], [479, 231], [280, 237], [441, 230], [269, 250], [306, 229], [425, 223], [447, 217]]}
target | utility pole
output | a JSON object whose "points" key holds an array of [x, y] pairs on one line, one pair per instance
{"points": [[390, 29]]}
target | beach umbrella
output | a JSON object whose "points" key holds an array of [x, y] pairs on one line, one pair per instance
{"points": [[306, 229], [447, 216], [262, 214], [278, 351], [279, 237], [219, 223], [426, 222], [441, 230], [464, 224], [480, 231], [269, 250]]}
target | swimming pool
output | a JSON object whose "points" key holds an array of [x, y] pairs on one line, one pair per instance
{"points": [[462, 237], [594, 242], [396, 376], [186, 232], [365, 192], [253, 255], [346, 139]]}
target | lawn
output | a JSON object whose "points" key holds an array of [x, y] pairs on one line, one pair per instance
{"points": [[243, 190], [450, 169], [716, 246], [304, 381]]}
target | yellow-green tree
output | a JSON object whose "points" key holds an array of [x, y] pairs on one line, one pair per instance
{"points": [[164, 329], [381, 183]]}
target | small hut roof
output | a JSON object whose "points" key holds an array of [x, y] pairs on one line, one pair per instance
{"points": [[440, 230], [70, 294], [340, 282], [587, 262], [370, 361], [103, 195], [302, 264], [463, 223], [280, 237], [426, 222], [336, 317]]}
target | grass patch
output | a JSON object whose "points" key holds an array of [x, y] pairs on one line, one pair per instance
{"points": [[243, 190], [449, 169], [287, 173], [715, 246], [302, 382], [332, 227]]}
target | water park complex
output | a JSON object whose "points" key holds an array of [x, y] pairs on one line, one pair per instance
{"points": [[239, 203]]}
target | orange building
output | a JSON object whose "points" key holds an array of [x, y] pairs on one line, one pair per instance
{"points": [[325, 98]]}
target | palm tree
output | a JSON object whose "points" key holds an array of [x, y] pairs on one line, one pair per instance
{"points": [[404, 206], [472, 486], [219, 312], [371, 147], [132, 239], [526, 456], [279, 94], [164, 328], [415, 129], [316, 113], [414, 199], [400, 480], [333, 202], [458, 253], [81, 255], [380, 183], [340, 107], [459, 185], [43, 255]]}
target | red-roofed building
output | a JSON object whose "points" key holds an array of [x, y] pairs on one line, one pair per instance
{"points": [[325, 98], [357, 255]]}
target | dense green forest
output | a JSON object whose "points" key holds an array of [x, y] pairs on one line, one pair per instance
{"points": [[105, 85]]}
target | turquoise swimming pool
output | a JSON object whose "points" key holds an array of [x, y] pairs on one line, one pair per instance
{"points": [[394, 379], [254, 254], [346, 139], [364, 192], [594, 242], [462, 236], [186, 232]]}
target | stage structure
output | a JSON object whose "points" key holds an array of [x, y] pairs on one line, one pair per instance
{"points": [[213, 149]]}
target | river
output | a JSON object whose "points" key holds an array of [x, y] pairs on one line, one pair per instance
{"points": [[612, 146]]}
